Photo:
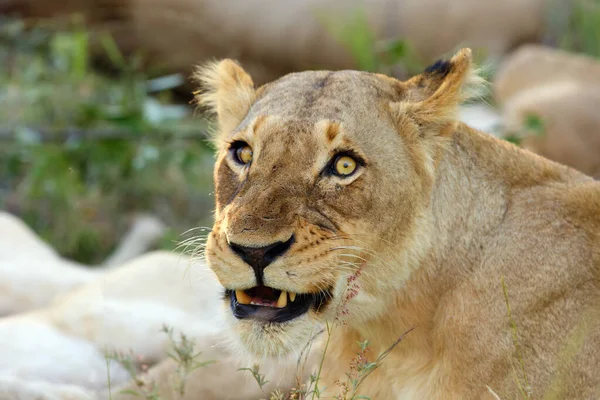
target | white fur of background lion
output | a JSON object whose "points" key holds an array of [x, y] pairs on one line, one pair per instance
{"points": [[58, 351], [32, 273]]}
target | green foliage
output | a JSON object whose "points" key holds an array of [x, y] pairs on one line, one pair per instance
{"points": [[258, 377], [80, 150], [580, 30], [129, 361], [358, 38], [181, 351], [185, 357], [533, 126], [370, 54]]}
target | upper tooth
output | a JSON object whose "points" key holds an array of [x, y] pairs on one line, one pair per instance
{"points": [[242, 297], [282, 302], [292, 296]]}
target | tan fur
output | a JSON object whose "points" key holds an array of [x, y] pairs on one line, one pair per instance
{"points": [[534, 65], [429, 228]]}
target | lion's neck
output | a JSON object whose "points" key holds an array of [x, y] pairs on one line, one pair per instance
{"points": [[473, 187]]}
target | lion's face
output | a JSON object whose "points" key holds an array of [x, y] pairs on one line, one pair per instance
{"points": [[318, 180]]}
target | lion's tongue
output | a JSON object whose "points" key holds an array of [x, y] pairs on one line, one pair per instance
{"points": [[259, 301]]}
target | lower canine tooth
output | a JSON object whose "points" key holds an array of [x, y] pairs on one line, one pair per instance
{"points": [[282, 302], [292, 297], [242, 297]]}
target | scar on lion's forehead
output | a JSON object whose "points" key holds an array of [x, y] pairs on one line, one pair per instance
{"points": [[258, 122], [330, 129]]}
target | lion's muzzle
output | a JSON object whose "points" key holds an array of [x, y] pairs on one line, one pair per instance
{"points": [[260, 257], [266, 303]]}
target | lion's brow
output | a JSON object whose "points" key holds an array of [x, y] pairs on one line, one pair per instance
{"points": [[333, 128], [258, 122]]}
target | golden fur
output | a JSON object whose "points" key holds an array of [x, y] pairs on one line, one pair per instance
{"points": [[439, 216]]}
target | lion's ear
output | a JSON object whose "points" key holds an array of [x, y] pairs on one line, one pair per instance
{"points": [[226, 90], [432, 98]]}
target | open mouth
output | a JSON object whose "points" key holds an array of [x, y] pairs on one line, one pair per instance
{"points": [[273, 305]]}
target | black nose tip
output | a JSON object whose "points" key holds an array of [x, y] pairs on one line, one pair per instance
{"points": [[260, 257]]}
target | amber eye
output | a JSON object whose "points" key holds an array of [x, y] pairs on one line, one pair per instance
{"points": [[344, 166], [243, 154]]}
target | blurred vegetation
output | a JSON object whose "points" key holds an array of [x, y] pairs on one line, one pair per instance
{"points": [[393, 57], [575, 26], [80, 150], [533, 125]]}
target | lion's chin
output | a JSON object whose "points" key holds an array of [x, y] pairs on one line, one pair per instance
{"points": [[271, 323], [267, 340]]}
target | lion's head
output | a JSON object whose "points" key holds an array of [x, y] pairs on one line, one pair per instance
{"points": [[321, 182]]}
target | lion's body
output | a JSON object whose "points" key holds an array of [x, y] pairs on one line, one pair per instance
{"points": [[500, 213], [32, 273], [491, 253]]}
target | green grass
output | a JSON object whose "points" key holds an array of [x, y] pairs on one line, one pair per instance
{"points": [[181, 349]]}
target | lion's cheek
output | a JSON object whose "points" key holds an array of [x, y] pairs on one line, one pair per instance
{"points": [[226, 185]]}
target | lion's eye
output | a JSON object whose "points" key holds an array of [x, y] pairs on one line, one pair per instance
{"points": [[344, 166], [243, 153]]}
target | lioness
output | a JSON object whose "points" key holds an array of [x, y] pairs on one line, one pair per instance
{"points": [[353, 197]]}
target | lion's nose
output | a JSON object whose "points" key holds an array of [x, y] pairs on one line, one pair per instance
{"points": [[260, 257]]}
